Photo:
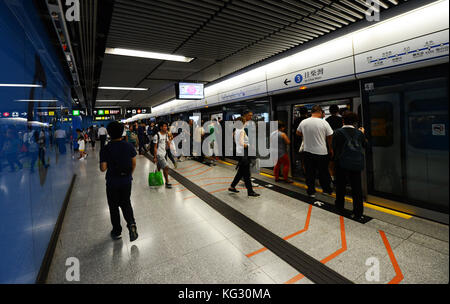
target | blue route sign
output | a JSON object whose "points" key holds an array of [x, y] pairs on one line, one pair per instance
{"points": [[299, 78]]}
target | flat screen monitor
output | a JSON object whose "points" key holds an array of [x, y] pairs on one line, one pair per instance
{"points": [[190, 90]]}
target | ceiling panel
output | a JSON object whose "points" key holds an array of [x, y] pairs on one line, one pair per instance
{"points": [[224, 36]]}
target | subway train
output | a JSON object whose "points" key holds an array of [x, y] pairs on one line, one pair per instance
{"points": [[398, 85]]}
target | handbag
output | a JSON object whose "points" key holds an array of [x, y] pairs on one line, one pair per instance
{"points": [[155, 179]]}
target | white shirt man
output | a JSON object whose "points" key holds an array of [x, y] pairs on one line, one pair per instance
{"points": [[316, 133], [102, 131], [162, 144]]}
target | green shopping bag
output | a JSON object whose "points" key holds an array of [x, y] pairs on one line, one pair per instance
{"points": [[155, 179]]}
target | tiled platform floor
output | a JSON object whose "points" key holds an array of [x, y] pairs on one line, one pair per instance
{"points": [[184, 240]]}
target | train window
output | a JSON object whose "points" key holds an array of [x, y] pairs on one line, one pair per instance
{"points": [[381, 124], [428, 124]]}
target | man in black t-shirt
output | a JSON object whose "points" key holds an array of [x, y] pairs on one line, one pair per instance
{"points": [[334, 120], [118, 158], [348, 144]]}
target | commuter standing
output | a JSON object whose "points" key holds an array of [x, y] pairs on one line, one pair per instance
{"points": [[199, 132], [91, 135], [348, 143], [118, 159], [335, 122], [283, 156], [241, 139], [81, 144], [102, 133], [161, 141], [141, 138], [132, 136], [316, 134], [61, 136]]}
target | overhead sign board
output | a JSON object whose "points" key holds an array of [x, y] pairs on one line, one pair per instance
{"points": [[336, 71], [134, 111], [401, 54], [106, 111]]}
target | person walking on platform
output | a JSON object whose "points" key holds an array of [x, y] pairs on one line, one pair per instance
{"points": [[102, 133], [316, 134], [241, 139], [283, 156], [118, 159], [348, 144], [142, 138], [161, 142]]}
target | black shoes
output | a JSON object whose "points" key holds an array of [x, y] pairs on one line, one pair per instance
{"points": [[115, 236], [169, 186], [133, 233], [254, 194], [231, 189]]}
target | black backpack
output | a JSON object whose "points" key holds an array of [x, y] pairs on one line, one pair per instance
{"points": [[352, 156]]}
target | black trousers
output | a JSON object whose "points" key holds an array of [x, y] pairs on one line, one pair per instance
{"points": [[243, 172], [120, 197], [343, 176], [314, 163], [102, 141], [170, 156]]}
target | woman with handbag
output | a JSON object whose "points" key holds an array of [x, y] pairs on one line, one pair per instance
{"points": [[243, 166]]}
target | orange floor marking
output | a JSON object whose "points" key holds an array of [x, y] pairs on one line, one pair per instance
{"points": [[331, 256], [200, 173], [308, 217], [219, 190], [399, 276], [196, 168], [187, 167]]}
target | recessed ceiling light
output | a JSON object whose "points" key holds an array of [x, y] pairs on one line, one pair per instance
{"points": [[143, 54], [20, 85], [123, 88], [36, 100]]}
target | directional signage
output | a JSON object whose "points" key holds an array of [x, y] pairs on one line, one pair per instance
{"points": [[336, 71], [106, 111], [420, 49], [134, 111]]}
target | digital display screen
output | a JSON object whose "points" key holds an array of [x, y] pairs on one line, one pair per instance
{"points": [[190, 91]]}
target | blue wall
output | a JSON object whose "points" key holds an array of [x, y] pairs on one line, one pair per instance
{"points": [[31, 195]]}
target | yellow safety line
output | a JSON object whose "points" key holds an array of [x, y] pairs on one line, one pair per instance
{"points": [[348, 199]]}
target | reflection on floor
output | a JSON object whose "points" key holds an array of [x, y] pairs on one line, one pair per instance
{"points": [[183, 240]]}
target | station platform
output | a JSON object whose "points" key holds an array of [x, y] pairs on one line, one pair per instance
{"points": [[187, 239]]}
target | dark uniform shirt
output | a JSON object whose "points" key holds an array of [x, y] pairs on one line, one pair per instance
{"points": [[335, 122], [117, 154]]}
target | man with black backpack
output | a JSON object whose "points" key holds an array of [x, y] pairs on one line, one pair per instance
{"points": [[118, 158], [348, 145]]}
